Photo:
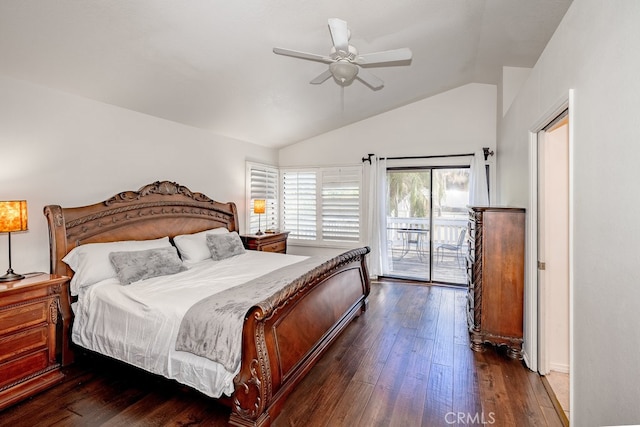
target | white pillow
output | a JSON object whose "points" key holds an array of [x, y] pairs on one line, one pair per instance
{"points": [[90, 263], [193, 247]]}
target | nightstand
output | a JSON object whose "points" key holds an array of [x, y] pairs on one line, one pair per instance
{"points": [[29, 313], [267, 242]]}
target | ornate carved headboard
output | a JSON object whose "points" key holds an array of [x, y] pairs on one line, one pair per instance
{"points": [[156, 210]]}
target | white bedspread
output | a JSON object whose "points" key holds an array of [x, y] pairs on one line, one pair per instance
{"points": [[139, 323]]}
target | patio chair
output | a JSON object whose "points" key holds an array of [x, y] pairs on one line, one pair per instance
{"points": [[457, 247]]}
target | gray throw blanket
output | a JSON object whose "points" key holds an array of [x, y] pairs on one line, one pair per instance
{"points": [[212, 327]]}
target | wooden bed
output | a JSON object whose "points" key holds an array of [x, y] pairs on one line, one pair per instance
{"points": [[279, 345]]}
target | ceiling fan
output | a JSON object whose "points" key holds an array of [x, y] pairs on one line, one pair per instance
{"points": [[345, 63]]}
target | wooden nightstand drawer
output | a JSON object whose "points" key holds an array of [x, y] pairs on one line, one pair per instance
{"points": [[22, 367], [23, 342], [275, 247], [22, 316], [29, 321], [267, 242]]}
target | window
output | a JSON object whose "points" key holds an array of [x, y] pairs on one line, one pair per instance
{"points": [[299, 207], [322, 205], [341, 205], [262, 183]]}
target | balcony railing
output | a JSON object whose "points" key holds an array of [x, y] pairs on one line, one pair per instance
{"points": [[409, 244]]}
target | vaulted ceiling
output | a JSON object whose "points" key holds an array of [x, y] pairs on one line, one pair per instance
{"points": [[210, 64]]}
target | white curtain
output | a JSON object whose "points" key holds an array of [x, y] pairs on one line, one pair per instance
{"points": [[377, 213], [478, 188]]}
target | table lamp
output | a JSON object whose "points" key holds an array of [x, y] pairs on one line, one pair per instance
{"points": [[13, 217], [259, 206]]}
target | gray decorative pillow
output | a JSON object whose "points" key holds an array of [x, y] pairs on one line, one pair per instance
{"points": [[132, 266], [223, 246]]}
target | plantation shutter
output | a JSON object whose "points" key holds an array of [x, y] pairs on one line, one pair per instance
{"points": [[322, 204], [299, 204], [341, 204], [263, 184]]}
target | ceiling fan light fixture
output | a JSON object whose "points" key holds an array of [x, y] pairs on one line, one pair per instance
{"points": [[343, 71], [345, 61]]}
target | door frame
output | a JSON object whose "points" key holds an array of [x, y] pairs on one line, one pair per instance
{"points": [[549, 277], [534, 333]]}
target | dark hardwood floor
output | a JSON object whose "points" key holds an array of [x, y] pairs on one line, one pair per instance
{"points": [[405, 362]]}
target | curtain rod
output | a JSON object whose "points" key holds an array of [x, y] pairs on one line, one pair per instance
{"points": [[486, 150], [437, 156]]}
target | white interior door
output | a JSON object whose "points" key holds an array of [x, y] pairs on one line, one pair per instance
{"points": [[553, 247]]}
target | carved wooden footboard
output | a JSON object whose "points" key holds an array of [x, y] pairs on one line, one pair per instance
{"points": [[282, 337]]}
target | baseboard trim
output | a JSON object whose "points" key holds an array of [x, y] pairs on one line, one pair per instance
{"points": [[527, 361], [555, 402], [563, 369]]}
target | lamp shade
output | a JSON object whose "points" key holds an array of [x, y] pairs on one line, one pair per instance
{"points": [[259, 206], [13, 216]]}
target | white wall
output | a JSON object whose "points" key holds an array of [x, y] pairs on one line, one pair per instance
{"points": [[62, 149], [512, 80], [458, 121], [461, 120], [595, 51]]}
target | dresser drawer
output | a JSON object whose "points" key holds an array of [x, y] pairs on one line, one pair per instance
{"points": [[16, 344], [23, 367], [24, 315]]}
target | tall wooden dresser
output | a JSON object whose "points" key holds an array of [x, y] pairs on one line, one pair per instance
{"points": [[495, 271]]}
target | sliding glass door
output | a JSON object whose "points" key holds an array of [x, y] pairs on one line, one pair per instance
{"points": [[426, 223], [408, 223]]}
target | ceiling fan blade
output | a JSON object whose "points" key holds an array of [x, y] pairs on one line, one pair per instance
{"points": [[369, 79], [340, 35], [321, 78], [395, 55], [302, 55]]}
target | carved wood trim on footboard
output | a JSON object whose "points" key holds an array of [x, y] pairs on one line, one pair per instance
{"points": [[284, 337]]}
